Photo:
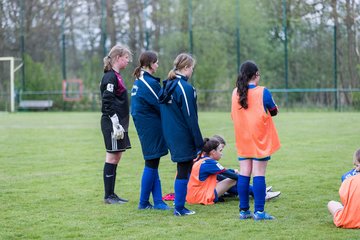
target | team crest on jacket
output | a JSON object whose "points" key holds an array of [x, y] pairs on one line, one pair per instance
{"points": [[170, 101], [134, 90], [110, 87]]}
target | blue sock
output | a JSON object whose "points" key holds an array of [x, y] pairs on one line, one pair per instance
{"points": [[243, 190], [259, 187], [147, 182], [233, 190], [251, 192], [180, 187], [156, 189]]}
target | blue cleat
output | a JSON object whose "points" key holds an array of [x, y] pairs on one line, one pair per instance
{"points": [[183, 212], [161, 206], [258, 216], [143, 206], [245, 214]]}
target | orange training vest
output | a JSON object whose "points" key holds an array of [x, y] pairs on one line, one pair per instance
{"points": [[255, 132], [349, 216], [200, 192]]}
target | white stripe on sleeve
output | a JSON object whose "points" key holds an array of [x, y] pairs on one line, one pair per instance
{"points": [[187, 104], [148, 86]]}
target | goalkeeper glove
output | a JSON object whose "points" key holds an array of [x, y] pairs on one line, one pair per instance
{"points": [[117, 128]]}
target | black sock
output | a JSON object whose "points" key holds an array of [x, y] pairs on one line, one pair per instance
{"points": [[109, 176]]}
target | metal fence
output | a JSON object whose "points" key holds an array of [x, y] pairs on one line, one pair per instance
{"points": [[329, 99]]}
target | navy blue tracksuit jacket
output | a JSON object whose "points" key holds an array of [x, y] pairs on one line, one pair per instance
{"points": [[180, 119], [145, 111]]}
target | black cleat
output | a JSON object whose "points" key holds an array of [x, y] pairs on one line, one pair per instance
{"points": [[115, 199]]}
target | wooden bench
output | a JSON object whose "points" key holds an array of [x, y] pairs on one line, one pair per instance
{"points": [[35, 104]]}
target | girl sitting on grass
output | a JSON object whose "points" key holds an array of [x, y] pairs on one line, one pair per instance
{"points": [[209, 180], [346, 214], [203, 187]]}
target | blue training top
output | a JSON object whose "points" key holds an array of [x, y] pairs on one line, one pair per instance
{"points": [[210, 167], [180, 119], [268, 101], [145, 112], [348, 174]]}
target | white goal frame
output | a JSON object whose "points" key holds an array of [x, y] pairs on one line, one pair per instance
{"points": [[13, 69]]}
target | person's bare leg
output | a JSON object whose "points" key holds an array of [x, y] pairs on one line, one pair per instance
{"points": [[334, 206], [113, 158], [224, 185]]}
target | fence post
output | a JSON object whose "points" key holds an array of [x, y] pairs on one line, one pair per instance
{"points": [[190, 26], [237, 13], [63, 41], [22, 42], [335, 71], [285, 51], [146, 19], [103, 25]]}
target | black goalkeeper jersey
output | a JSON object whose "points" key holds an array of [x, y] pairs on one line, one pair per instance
{"points": [[114, 97]]}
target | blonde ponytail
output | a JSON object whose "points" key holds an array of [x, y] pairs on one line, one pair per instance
{"points": [[117, 50], [181, 61]]}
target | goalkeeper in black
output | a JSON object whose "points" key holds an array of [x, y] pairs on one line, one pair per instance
{"points": [[115, 117]]}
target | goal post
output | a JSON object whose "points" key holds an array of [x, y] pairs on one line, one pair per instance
{"points": [[72, 90], [13, 69]]}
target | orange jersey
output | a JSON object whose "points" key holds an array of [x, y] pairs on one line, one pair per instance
{"points": [[255, 132], [200, 192], [349, 216]]}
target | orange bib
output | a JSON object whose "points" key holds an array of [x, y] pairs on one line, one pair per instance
{"points": [[349, 216], [255, 132], [200, 192]]}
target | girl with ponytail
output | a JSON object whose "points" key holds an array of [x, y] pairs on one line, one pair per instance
{"points": [[203, 187], [256, 137], [180, 125], [115, 117], [145, 112]]}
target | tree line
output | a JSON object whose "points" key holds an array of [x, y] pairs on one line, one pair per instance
{"points": [[70, 37]]}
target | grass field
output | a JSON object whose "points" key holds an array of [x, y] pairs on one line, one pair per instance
{"points": [[51, 181]]}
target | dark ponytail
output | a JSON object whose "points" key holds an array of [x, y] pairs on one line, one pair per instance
{"points": [[209, 145], [247, 72], [145, 60]]}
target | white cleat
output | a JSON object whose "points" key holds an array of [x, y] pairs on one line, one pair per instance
{"points": [[271, 195]]}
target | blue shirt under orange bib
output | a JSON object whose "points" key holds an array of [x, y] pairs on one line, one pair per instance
{"points": [[202, 183]]}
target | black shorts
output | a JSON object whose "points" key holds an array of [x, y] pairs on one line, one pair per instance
{"points": [[111, 144]]}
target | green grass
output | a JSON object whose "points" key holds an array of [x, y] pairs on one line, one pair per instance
{"points": [[51, 181]]}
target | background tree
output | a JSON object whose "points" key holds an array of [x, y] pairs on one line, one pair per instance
{"points": [[163, 26]]}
